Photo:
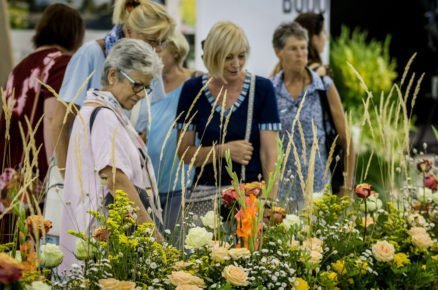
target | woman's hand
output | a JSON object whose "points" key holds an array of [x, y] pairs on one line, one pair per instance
{"points": [[240, 151]]}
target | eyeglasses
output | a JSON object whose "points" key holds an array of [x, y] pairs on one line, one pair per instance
{"points": [[137, 87]]}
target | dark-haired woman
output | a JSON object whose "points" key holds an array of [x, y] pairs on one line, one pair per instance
{"points": [[55, 41]]}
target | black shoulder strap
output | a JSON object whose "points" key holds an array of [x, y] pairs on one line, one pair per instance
{"points": [[327, 114], [93, 116]]}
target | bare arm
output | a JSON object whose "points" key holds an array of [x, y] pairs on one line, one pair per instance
{"points": [[337, 111], [241, 150], [49, 112], [60, 134], [269, 156]]}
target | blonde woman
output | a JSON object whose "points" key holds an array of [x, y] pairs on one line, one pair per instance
{"points": [[139, 19], [250, 100], [161, 150]]}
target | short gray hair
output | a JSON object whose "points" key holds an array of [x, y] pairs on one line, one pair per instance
{"points": [[132, 55], [286, 30]]}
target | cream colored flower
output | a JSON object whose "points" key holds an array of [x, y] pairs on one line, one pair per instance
{"points": [[416, 219], [383, 251], [188, 287], [291, 220], [109, 284], [416, 231], [216, 244], [422, 241], [316, 196], [197, 238], [179, 278], [294, 245], [235, 275], [219, 254], [180, 265], [127, 285], [313, 244], [51, 256], [367, 221], [315, 257], [211, 220], [239, 253]]}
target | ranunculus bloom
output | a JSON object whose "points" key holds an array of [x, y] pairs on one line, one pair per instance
{"points": [[239, 253], [255, 188], [422, 241], [37, 225], [179, 278], [10, 269], [211, 220], [197, 238], [219, 254], [101, 234], [362, 190], [431, 182], [235, 275], [51, 256], [383, 251], [424, 165]]}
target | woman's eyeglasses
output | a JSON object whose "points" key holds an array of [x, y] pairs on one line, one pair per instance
{"points": [[137, 87]]}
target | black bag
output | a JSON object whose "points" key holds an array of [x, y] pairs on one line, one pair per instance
{"points": [[337, 164]]}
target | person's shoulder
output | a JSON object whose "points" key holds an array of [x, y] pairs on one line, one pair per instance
{"points": [[89, 50], [263, 84], [192, 84]]}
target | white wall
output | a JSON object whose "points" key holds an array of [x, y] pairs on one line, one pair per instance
{"points": [[258, 18]]}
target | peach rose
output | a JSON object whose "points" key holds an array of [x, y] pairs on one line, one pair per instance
{"points": [[383, 251], [416, 231], [188, 287], [367, 221], [313, 244], [127, 285], [109, 284], [315, 257], [422, 241], [182, 265], [219, 254], [178, 278], [238, 253], [235, 275]]}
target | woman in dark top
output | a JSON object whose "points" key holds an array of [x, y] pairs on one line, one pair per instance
{"points": [[218, 117]]}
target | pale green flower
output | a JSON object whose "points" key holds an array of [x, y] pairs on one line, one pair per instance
{"points": [[84, 250], [51, 256], [291, 220], [197, 238], [38, 285]]}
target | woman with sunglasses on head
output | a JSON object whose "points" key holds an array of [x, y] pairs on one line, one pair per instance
{"points": [[138, 19], [105, 153]]}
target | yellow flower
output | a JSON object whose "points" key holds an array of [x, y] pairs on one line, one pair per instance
{"points": [[401, 259], [339, 267], [301, 284]]}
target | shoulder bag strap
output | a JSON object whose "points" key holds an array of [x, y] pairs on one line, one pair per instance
{"points": [[326, 112], [249, 120]]}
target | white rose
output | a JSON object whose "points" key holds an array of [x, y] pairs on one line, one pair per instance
{"points": [[38, 285], [416, 219], [51, 256], [197, 238], [211, 220], [383, 251], [291, 220], [84, 250], [237, 253]]}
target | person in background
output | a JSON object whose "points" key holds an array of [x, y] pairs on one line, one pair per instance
{"points": [[55, 41], [295, 82], [161, 145], [105, 153], [220, 122], [138, 19], [314, 24]]}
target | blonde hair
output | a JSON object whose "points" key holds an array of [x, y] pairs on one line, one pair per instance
{"points": [[178, 45], [144, 16], [224, 38]]}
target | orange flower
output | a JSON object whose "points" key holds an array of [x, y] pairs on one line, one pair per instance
{"points": [[363, 190], [10, 269], [246, 217], [255, 188], [37, 225], [101, 234]]}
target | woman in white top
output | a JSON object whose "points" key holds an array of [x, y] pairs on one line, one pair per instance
{"points": [[104, 146]]}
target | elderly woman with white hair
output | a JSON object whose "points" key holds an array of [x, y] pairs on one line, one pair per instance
{"points": [[105, 152]]}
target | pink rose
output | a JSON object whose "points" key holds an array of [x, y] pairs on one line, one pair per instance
{"points": [[363, 190], [431, 182], [229, 196]]}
